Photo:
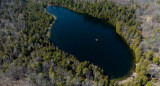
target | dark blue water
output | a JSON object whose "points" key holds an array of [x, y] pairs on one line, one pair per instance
{"points": [[90, 39]]}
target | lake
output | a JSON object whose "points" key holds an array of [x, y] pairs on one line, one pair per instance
{"points": [[91, 39]]}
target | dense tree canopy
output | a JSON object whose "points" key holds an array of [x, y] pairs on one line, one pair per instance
{"points": [[26, 52]]}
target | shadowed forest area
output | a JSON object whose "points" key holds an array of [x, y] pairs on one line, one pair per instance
{"points": [[27, 58]]}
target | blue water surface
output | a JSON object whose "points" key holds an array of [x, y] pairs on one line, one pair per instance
{"points": [[90, 39]]}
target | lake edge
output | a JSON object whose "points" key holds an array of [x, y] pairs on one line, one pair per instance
{"points": [[132, 69]]}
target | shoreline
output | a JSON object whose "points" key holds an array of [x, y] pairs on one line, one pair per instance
{"points": [[131, 72], [51, 24], [133, 75]]}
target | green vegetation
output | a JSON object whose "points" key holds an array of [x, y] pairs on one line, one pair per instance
{"points": [[124, 19], [32, 56], [156, 60], [26, 53]]}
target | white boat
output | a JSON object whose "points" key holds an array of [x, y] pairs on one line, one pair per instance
{"points": [[96, 39]]}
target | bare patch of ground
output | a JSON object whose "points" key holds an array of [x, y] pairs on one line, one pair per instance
{"points": [[134, 75]]}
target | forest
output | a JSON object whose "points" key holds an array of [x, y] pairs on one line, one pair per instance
{"points": [[28, 58]]}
